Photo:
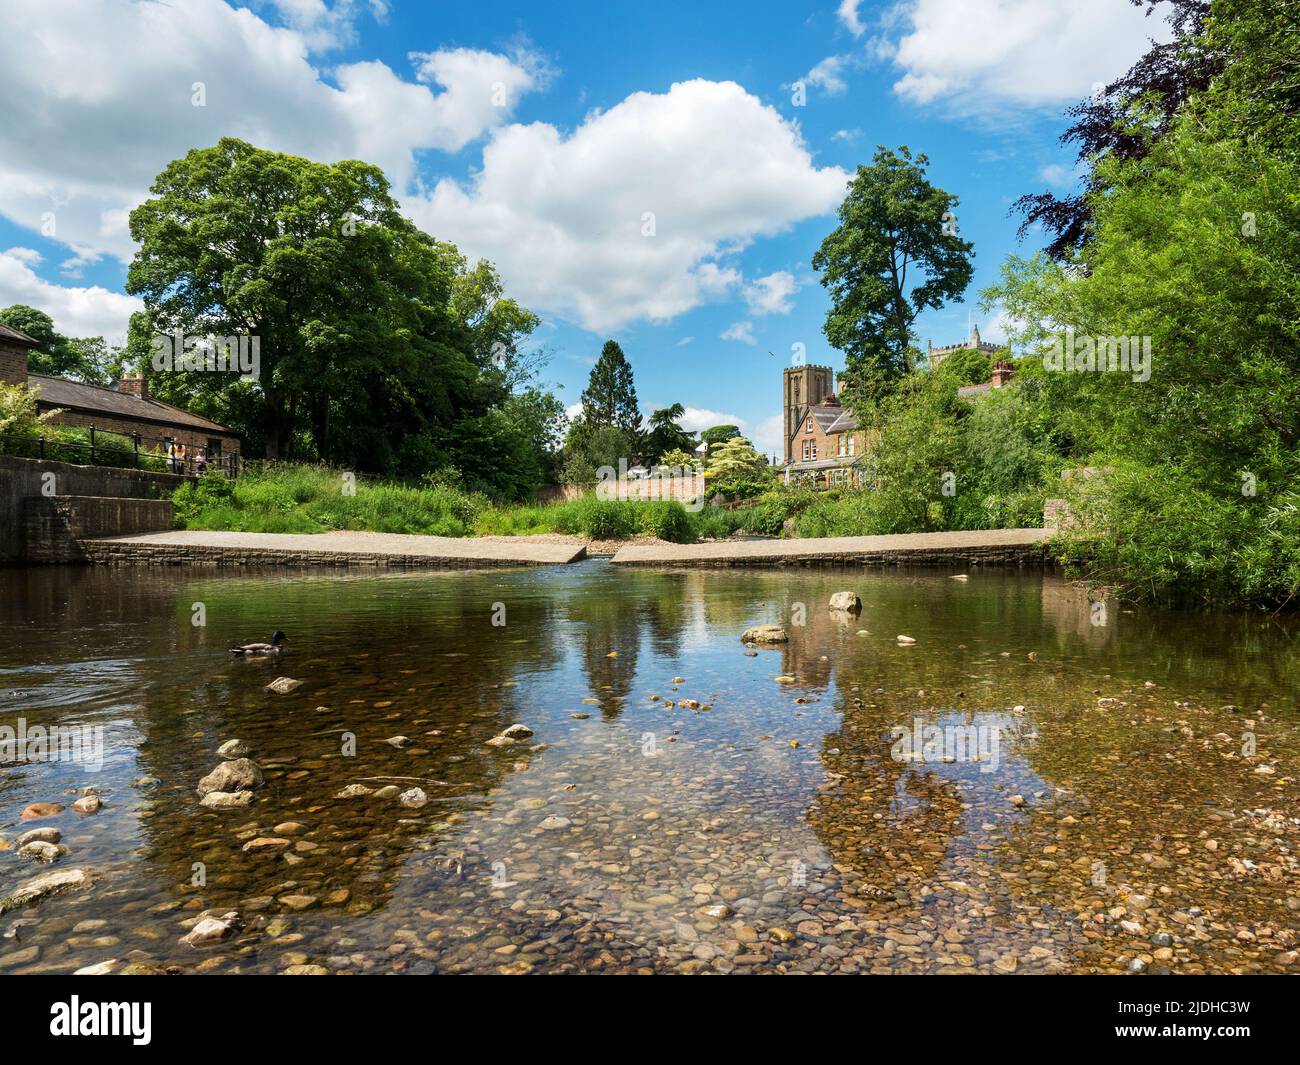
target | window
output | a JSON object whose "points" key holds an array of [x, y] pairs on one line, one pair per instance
{"points": [[814, 448], [808, 425], [806, 445], [844, 447], [853, 443]]}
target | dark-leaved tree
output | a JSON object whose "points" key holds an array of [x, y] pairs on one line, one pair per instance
{"points": [[1122, 119]]}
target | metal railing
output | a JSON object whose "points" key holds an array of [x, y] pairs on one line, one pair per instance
{"points": [[120, 450]]}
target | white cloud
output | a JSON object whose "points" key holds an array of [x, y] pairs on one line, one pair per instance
{"points": [[771, 294], [846, 135], [78, 312], [827, 75], [847, 13], [1059, 176], [765, 436], [769, 435], [684, 341], [322, 25], [107, 87], [982, 55], [706, 166], [742, 331]]}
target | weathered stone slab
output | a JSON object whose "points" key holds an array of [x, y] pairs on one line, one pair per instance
{"points": [[194, 547], [988, 546]]}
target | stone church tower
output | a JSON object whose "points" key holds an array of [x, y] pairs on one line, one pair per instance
{"points": [[805, 386]]}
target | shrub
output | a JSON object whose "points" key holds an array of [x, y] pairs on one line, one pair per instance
{"points": [[668, 520]]}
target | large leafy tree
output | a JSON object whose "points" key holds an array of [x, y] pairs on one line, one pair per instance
{"points": [[735, 460], [895, 253], [610, 396], [376, 341]]}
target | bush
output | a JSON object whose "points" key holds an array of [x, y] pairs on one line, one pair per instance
{"points": [[668, 520]]}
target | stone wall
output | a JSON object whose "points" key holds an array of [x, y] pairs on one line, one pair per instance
{"points": [[53, 526], [22, 479]]}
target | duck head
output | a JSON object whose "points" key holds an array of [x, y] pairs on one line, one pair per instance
{"points": [[278, 639]]}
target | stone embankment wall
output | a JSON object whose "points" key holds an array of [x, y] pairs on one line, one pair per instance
{"points": [[22, 479], [54, 526]]}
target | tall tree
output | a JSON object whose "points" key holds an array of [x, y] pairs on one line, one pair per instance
{"points": [[375, 339], [895, 253], [610, 396]]}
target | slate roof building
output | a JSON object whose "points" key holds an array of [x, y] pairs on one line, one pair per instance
{"points": [[126, 408]]}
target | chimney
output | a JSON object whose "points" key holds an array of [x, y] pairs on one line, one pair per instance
{"points": [[134, 385], [1002, 373]]}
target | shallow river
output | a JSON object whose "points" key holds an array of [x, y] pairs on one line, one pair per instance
{"points": [[1037, 784]]}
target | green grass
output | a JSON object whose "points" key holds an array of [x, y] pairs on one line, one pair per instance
{"points": [[312, 499]]}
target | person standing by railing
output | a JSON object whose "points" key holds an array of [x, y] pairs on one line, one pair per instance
{"points": [[181, 459]]}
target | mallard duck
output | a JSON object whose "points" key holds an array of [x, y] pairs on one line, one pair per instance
{"points": [[278, 640]]}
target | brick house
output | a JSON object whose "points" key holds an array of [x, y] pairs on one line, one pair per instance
{"points": [[126, 408], [824, 444]]}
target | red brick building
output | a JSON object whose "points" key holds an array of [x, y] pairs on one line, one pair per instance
{"points": [[125, 408], [823, 443]]}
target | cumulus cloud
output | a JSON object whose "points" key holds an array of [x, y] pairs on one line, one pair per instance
{"points": [[769, 435], [987, 54], [632, 215], [108, 95], [771, 294], [742, 331], [79, 312], [697, 419]]}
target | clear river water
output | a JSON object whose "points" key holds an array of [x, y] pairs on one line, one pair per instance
{"points": [[1039, 783]]}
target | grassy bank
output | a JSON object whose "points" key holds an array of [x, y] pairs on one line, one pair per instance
{"points": [[312, 499]]}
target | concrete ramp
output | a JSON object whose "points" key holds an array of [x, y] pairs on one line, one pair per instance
{"points": [[990, 547], [190, 547]]}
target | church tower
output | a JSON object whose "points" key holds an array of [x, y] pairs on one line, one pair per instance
{"points": [[805, 386]]}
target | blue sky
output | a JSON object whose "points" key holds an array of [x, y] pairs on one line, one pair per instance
{"points": [[650, 172]]}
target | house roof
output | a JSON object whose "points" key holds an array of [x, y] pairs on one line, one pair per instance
{"points": [[17, 336], [76, 395], [845, 423], [826, 415]]}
